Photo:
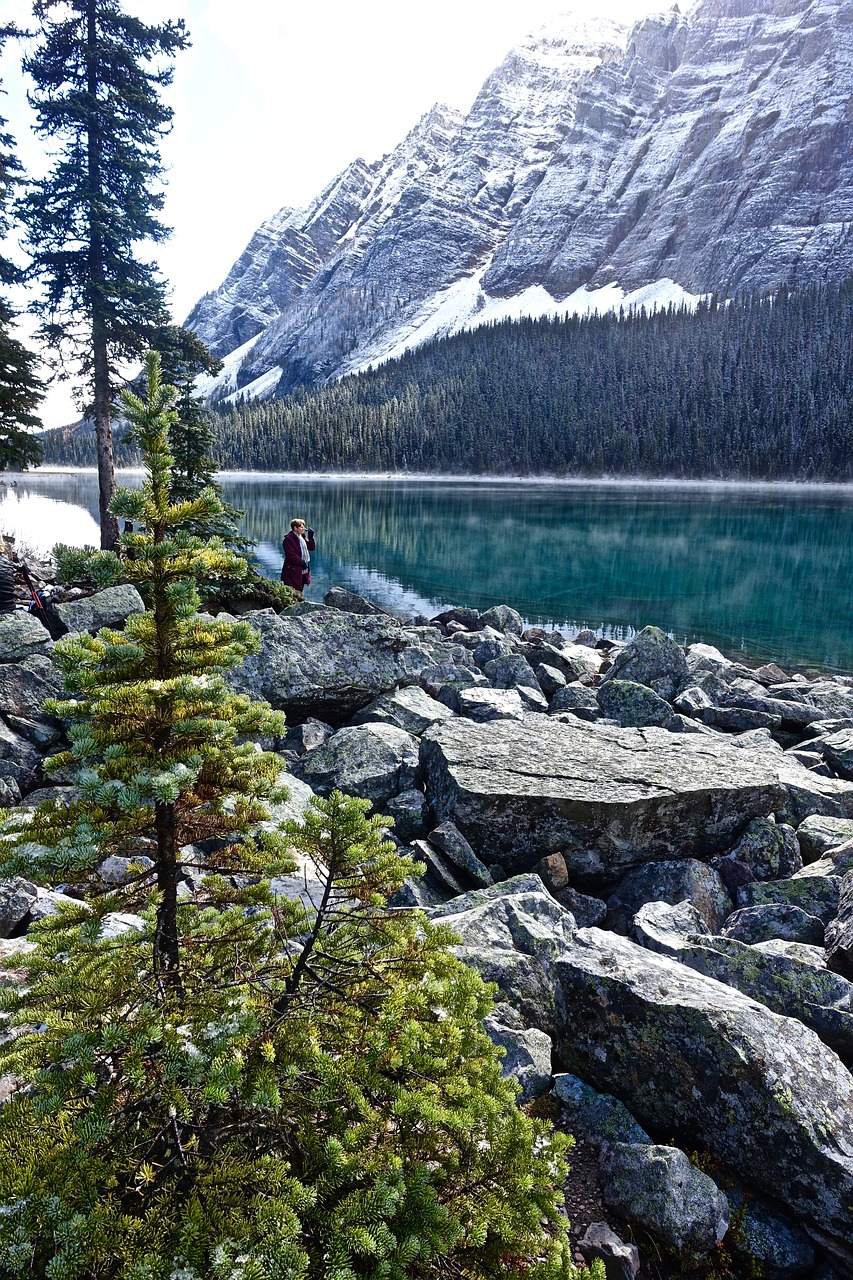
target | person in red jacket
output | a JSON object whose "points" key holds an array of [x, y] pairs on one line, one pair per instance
{"points": [[297, 546]]}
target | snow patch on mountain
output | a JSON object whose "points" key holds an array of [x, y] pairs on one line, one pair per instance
{"points": [[465, 306]]}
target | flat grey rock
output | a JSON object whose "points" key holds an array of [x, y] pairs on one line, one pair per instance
{"points": [[682, 880], [409, 708], [659, 1189], [818, 835], [108, 608], [327, 663], [22, 636], [692, 1056], [373, 761], [780, 920], [25, 686], [527, 1056], [607, 798]]}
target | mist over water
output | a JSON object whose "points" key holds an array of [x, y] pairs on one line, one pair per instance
{"points": [[764, 571]]}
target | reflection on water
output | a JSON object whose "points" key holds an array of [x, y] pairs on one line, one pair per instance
{"points": [[765, 571]]}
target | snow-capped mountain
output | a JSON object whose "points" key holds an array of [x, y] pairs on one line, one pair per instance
{"points": [[598, 166]]}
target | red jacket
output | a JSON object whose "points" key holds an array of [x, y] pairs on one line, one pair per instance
{"points": [[291, 571]]}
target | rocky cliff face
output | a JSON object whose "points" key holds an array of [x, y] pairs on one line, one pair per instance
{"points": [[597, 165]]}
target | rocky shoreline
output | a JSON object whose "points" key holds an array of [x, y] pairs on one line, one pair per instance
{"points": [[648, 849]]}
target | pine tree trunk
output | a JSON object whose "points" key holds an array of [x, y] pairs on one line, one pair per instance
{"points": [[100, 360], [166, 949]]}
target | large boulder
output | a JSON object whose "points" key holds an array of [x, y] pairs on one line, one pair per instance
{"points": [[682, 880], [527, 1056], [108, 608], [653, 659], [512, 933], [807, 793], [817, 895], [487, 704], [818, 835], [633, 705], [608, 798], [373, 761], [659, 1189], [503, 618], [697, 1060], [839, 934], [774, 920], [770, 851], [409, 708], [838, 752], [351, 602], [26, 685], [21, 636], [16, 898], [789, 977], [327, 663], [19, 760]]}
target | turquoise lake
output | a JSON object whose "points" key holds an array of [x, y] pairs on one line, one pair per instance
{"points": [[762, 571]]}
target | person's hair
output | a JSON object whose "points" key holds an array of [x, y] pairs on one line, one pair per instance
{"points": [[295, 521]]}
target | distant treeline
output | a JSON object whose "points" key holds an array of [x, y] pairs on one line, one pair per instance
{"points": [[760, 388]]}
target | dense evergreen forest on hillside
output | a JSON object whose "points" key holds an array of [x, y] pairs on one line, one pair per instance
{"points": [[759, 389]]}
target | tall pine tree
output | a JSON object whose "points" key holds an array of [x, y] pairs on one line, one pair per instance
{"points": [[20, 389], [98, 73]]}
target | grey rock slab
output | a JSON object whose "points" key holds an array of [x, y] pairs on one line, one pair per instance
{"points": [[667, 927], [839, 933], [621, 1261], [596, 1116], [705, 657], [550, 679], [439, 869], [607, 798], [22, 636], [486, 704], [116, 870], [770, 851], [586, 909], [327, 664], [659, 1189], [653, 659], [774, 920], [408, 810], [817, 895], [633, 705], [373, 761], [48, 902], [778, 1245], [806, 793], [838, 752], [453, 845], [351, 602], [444, 681], [511, 672], [108, 608], [527, 1057], [299, 796], [698, 1060], [575, 697], [818, 835], [19, 759], [409, 708], [116, 924], [737, 719], [16, 898], [788, 977], [25, 686], [681, 880], [511, 933]]}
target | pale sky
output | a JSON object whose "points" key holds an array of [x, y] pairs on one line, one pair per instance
{"points": [[274, 99]]}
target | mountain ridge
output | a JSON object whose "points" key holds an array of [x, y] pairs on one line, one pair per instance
{"points": [[598, 167]]}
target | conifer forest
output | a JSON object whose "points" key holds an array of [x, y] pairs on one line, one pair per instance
{"points": [[757, 388]]}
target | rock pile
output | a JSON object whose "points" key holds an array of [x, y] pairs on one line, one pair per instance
{"points": [[649, 850]]}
